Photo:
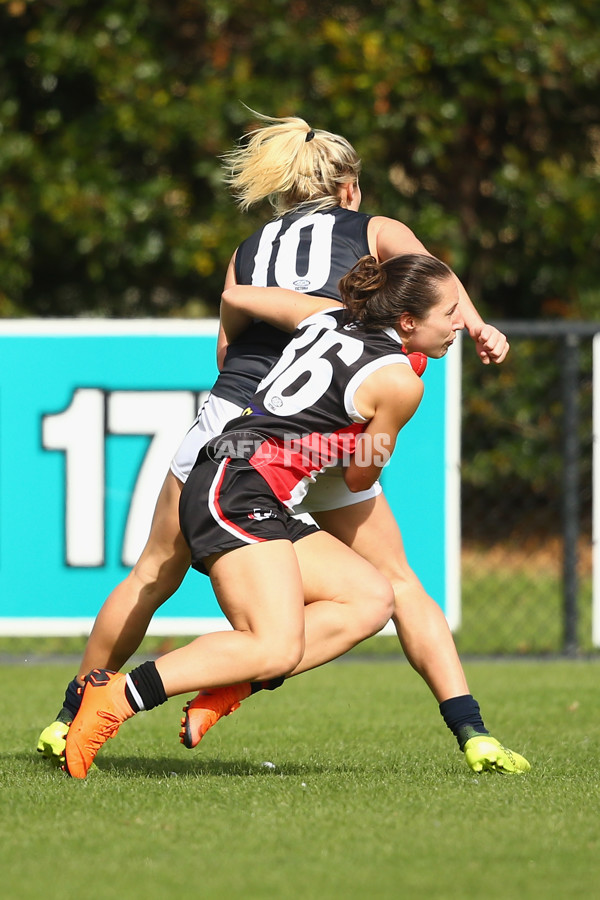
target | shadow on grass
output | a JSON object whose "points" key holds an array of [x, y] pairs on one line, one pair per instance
{"points": [[164, 767], [161, 767]]}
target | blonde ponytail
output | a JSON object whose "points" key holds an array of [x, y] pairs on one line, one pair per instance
{"points": [[289, 163]]}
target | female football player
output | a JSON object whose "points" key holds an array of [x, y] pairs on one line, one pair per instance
{"points": [[343, 380]]}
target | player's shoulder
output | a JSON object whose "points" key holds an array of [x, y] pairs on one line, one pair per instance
{"points": [[380, 222], [392, 229], [394, 389], [397, 376], [399, 366], [400, 382]]}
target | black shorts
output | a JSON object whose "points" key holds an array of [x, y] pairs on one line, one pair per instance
{"points": [[227, 504]]}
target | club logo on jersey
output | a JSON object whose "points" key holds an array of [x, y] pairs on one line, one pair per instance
{"points": [[301, 284], [260, 514]]}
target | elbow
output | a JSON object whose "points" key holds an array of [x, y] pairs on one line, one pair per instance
{"points": [[234, 297], [227, 296], [357, 481], [221, 354]]}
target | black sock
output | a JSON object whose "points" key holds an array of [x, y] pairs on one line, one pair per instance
{"points": [[463, 718], [266, 685], [71, 703], [144, 688]]}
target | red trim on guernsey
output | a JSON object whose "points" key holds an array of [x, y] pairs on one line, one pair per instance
{"points": [[285, 464]]}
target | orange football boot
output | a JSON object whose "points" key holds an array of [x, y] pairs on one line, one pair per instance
{"points": [[207, 708], [103, 709]]}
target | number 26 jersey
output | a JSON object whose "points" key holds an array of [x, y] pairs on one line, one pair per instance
{"points": [[302, 418]]}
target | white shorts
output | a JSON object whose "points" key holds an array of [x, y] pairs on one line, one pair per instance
{"points": [[328, 492], [213, 416]]}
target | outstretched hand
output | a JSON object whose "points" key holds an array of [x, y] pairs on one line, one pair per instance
{"points": [[491, 345], [484, 753]]}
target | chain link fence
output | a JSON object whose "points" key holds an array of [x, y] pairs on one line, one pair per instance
{"points": [[527, 494]]}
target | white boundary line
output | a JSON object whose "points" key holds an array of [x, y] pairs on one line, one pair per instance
{"points": [[596, 492], [160, 626], [452, 480], [68, 627]]}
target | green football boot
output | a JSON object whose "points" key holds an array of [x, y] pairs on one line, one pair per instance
{"points": [[52, 742], [485, 754]]}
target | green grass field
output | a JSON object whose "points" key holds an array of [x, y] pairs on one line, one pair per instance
{"points": [[369, 796]]}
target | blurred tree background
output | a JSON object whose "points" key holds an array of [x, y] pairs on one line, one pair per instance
{"points": [[478, 124]]}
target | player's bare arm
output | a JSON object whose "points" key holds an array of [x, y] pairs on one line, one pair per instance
{"points": [[222, 342], [279, 307], [388, 398]]}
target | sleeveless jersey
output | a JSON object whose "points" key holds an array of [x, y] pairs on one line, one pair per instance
{"points": [[304, 251], [302, 418]]}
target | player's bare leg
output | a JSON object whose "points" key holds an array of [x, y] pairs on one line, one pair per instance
{"points": [[370, 529], [123, 620], [259, 588], [345, 601]]}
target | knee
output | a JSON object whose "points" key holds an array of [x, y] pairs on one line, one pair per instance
{"points": [[383, 605], [378, 608], [281, 660], [406, 587]]}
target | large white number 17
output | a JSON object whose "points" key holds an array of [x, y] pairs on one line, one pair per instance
{"points": [[80, 431]]}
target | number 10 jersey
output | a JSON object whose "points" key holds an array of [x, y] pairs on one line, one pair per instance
{"points": [[306, 250]]}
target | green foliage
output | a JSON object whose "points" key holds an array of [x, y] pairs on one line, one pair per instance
{"points": [[477, 123], [513, 439], [510, 434]]}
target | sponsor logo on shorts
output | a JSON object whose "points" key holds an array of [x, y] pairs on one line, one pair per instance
{"points": [[260, 514]]}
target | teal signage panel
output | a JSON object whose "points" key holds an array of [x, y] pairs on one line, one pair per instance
{"points": [[91, 413]]}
